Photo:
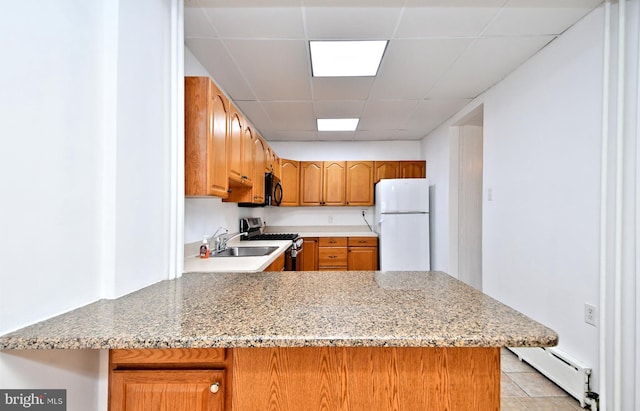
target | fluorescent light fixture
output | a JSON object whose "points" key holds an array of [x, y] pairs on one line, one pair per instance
{"points": [[337, 124], [346, 58]]}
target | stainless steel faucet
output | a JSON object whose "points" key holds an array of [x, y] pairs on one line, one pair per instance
{"points": [[218, 239], [227, 239]]}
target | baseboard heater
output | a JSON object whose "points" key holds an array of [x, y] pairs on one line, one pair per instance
{"points": [[568, 373]]}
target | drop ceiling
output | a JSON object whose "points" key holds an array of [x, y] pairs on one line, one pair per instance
{"points": [[441, 55]]}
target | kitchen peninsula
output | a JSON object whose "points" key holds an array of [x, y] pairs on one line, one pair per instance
{"points": [[300, 341]]}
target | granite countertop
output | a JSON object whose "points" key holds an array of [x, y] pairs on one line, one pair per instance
{"points": [[291, 309]]}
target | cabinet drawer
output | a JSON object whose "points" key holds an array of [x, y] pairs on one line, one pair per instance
{"points": [[168, 357], [363, 241], [332, 257], [332, 242]]}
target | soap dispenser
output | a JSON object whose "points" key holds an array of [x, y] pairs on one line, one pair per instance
{"points": [[204, 248]]}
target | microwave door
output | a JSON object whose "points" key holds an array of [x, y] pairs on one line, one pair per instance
{"points": [[277, 194]]}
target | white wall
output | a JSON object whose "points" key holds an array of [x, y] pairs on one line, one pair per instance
{"points": [[84, 115], [541, 158]]}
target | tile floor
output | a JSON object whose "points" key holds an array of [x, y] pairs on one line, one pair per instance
{"points": [[523, 388]]}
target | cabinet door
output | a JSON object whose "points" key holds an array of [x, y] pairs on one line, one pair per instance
{"points": [[413, 169], [290, 179], [205, 138], [362, 259], [175, 390], [387, 169], [310, 254], [269, 167], [311, 183], [234, 156], [334, 193], [247, 155], [218, 180], [258, 170], [359, 183]]}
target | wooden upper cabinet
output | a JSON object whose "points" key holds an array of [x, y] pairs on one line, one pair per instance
{"points": [[386, 169], [359, 183], [268, 159], [322, 183], [234, 149], [413, 169], [258, 167], [277, 166], [247, 154], [206, 115], [334, 175], [290, 180], [311, 183]]}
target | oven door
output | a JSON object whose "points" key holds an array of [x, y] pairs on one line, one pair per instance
{"points": [[289, 261]]}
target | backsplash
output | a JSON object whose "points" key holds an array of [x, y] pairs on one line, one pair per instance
{"points": [[316, 216], [203, 216]]}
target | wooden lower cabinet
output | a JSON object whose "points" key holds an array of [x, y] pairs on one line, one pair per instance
{"points": [[308, 379], [365, 379], [362, 254], [309, 261], [277, 265], [175, 390], [176, 379], [332, 253]]}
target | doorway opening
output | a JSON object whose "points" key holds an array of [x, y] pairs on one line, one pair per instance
{"points": [[466, 195]]}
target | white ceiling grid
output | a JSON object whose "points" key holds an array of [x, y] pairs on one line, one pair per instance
{"points": [[441, 55]]}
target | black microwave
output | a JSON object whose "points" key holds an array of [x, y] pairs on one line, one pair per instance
{"points": [[272, 192]]}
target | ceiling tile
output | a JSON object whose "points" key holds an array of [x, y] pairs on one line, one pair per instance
{"points": [[264, 22], [487, 61], [554, 3], [274, 69], [247, 3], [353, 3], [411, 67], [341, 88], [196, 24], [291, 115], [522, 21], [335, 135], [285, 135], [210, 53], [455, 3], [444, 21], [255, 111], [386, 114], [348, 23], [431, 113], [339, 109]]}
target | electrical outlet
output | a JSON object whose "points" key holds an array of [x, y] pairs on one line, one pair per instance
{"points": [[590, 314], [364, 213], [330, 219]]}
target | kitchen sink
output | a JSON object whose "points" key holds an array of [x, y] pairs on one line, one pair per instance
{"points": [[244, 252]]}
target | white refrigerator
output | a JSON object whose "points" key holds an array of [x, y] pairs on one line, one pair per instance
{"points": [[402, 223]]}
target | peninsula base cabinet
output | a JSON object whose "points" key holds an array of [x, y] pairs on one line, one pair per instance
{"points": [[171, 379], [309, 378]]}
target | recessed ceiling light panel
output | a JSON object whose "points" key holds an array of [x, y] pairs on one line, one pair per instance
{"points": [[346, 58], [337, 124]]}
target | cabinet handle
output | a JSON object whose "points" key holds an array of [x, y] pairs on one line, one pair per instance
{"points": [[333, 256], [215, 387]]}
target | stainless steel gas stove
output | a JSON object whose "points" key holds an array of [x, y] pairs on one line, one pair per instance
{"points": [[254, 228]]}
